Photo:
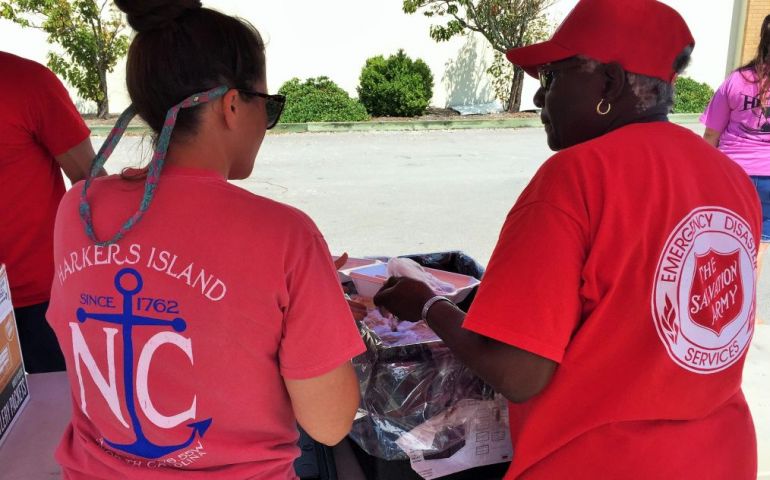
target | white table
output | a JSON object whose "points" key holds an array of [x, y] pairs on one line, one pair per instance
{"points": [[27, 453], [756, 386]]}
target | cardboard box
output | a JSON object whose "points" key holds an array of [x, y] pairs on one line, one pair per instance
{"points": [[14, 393]]}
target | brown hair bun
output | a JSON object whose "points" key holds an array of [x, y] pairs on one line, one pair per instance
{"points": [[146, 15]]}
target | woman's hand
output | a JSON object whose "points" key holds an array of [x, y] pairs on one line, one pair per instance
{"points": [[341, 261], [357, 309], [712, 137], [404, 297], [517, 374]]}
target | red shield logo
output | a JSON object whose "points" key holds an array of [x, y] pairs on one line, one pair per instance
{"points": [[716, 295]]}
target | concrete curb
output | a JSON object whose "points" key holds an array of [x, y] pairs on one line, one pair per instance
{"points": [[388, 126]]}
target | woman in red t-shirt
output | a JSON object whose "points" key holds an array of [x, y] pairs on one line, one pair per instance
{"points": [[618, 305]]}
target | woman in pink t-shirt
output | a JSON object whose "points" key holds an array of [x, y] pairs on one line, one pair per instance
{"points": [[738, 122], [199, 322]]}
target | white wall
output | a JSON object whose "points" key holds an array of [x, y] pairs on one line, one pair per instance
{"points": [[334, 37]]}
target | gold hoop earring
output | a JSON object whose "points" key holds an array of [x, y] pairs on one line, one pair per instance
{"points": [[599, 108]]}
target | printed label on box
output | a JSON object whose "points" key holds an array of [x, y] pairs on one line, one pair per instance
{"points": [[13, 382]]}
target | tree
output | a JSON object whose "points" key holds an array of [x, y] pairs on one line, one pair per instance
{"points": [[88, 32], [505, 24], [395, 86], [691, 96]]}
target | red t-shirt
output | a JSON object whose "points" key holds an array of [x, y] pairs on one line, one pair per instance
{"points": [[630, 260], [37, 122], [230, 293]]}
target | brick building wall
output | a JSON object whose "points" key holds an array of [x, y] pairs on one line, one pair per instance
{"points": [[757, 11]]}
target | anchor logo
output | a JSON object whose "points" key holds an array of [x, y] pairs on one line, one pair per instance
{"points": [[142, 446]]}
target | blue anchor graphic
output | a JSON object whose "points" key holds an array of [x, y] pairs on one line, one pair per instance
{"points": [[142, 447]]}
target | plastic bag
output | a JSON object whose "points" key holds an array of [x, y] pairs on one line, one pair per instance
{"points": [[404, 386]]}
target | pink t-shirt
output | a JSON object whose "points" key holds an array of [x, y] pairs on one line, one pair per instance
{"points": [[744, 123], [178, 338]]}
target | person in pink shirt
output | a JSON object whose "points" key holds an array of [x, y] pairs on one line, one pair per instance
{"points": [[737, 122], [199, 322]]}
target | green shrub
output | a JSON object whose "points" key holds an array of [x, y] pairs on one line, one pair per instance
{"points": [[691, 96], [319, 100], [395, 86]]}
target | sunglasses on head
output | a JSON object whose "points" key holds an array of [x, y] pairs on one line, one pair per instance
{"points": [[273, 105]]}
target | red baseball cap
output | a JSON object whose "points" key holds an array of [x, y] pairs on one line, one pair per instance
{"points": [[643, 36]]}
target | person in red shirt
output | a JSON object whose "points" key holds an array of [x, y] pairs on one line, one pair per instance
{"points": [[41, 134], [199, 322], [618, 305]]}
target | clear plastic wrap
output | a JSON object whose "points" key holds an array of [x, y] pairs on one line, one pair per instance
{"points": [[403, 387], [410, 377]]}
